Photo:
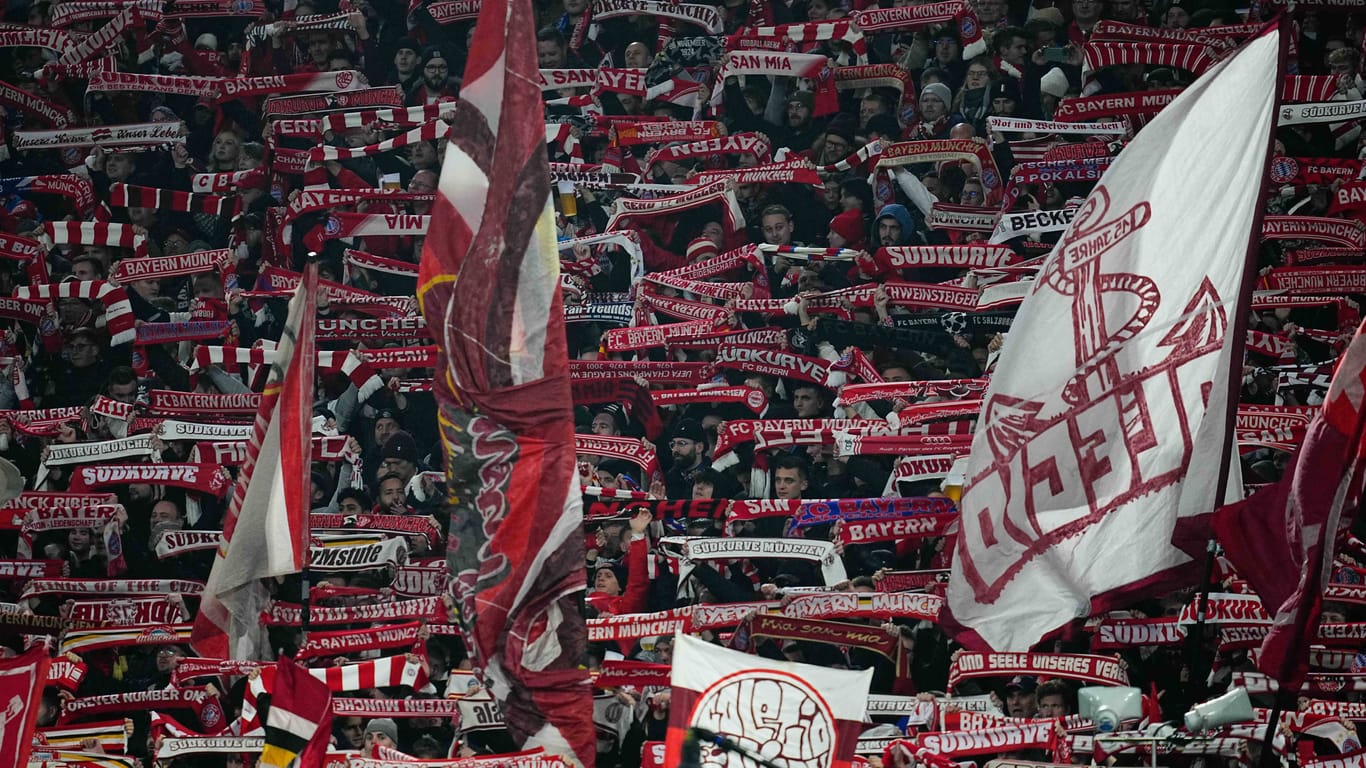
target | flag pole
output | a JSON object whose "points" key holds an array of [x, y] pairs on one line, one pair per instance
{"points": [[1199, 668], [310, 283]]}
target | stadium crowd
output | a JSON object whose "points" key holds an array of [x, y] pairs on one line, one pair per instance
{"points": [[121, 350]]}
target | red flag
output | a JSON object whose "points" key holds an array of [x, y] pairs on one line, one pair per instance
{"points": [[1280, 538], [489, 289], [21, 692], [298, 721], [265, 530]]}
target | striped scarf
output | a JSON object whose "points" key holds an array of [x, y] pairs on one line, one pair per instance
{"points": [[106, 234], [129, 196], [118, 317]]}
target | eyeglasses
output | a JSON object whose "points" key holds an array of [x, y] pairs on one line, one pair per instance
{"points": [[971, 193]]}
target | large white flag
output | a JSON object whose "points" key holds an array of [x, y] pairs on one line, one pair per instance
{"points": [[799, 715], [1090, 452]]}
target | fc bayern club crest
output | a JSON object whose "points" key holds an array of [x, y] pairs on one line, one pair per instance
{"points": [[968, 27], [1284, 169]]}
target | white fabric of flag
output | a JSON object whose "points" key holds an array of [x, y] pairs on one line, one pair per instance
{"points": [[1090, 453]]}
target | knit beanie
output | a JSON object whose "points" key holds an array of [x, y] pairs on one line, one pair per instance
{"points": [[849, 225], [941, 91]]}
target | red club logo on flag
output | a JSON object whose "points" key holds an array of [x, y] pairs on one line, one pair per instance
{"points": [[344, 79], [798, 715], [781, 716]]}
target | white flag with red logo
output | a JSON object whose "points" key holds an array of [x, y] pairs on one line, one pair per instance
{"points": [[798, 715], [21, 694], [1091, 453]]}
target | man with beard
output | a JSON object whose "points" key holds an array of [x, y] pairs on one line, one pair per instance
{"points": [[436, 80], [688, 447]]}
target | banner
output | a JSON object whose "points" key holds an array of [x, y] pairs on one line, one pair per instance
{"points": [[795, 713]]}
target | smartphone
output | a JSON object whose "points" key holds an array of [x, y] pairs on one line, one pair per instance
{"points": [[1055, 54]]}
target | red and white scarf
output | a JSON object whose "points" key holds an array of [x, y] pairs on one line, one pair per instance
{"points": [[810, 66], [118, 313], [427, 608], [389, 97], [126, 195], [1136, 104], [1097, 670], [627, 211]]}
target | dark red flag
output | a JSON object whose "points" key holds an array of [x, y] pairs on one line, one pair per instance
{"points": [[490, 291], [1280, 539]]}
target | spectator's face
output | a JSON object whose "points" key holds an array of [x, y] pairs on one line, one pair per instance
{"points": [[319, 49], [972, 194], [373, 739], [798, 115], [385, 429], [1086, 10], [79, 540], [174, 245], [124, 393], [405, 61], [637, 55], [143, 217], [435, 72], [606, 582], [423, 157], [685, 451], [147, 289], [351, 506], [1020, 703], [990, 11], [870, 108], [549, 54], [226, 147], [338, 64], [208, 287], [788, 483], [1124, 10], [118, 166], [817, 10], [1052, 705], [946, 49], [1002, 105], [888, 231], [932, 108], [82, 352], [808, 403], [608, 480], [353, 730], [714, 232], [603, 424], [1176, 18], [423, 183], [164, 512], [85, 270], [777, 229], [391, 493], [401, 467], [703, 490], [978, 76], [167, 658], [1015, 51], [835, 150]]}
